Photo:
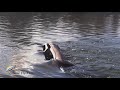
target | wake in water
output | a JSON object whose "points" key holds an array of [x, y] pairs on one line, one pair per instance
{"points": [[31, 63]]}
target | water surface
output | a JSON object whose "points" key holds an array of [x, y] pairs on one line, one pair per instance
{"points": [[90, 40]]}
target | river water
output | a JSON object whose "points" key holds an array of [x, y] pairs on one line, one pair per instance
{"points": [[90, 40]]}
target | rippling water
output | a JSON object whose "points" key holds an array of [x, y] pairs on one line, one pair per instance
{"points": [[90, 40]]}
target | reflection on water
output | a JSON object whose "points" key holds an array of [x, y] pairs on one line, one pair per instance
{"points": [[89, 40]]}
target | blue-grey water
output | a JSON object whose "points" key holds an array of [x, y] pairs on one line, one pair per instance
{"points": [[90, 40]]}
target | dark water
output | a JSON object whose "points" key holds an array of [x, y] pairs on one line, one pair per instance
{"points": [[90, 40]]}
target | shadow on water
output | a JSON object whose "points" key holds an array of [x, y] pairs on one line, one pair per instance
{"points": [[47, 70]]}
